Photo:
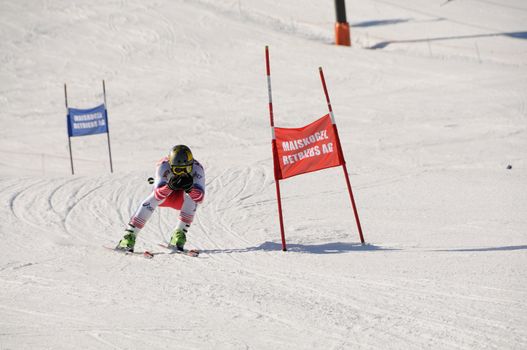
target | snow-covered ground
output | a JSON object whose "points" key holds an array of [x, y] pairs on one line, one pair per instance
{"points": [[431, 106]]}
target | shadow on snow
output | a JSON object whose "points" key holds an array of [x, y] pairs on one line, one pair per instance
{"points": [[342, 247], [392, 21], [384, 44], [326, 248], [487, 249], [381, 22]]}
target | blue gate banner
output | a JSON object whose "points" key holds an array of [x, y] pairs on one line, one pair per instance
{"points": [[82, 122]]}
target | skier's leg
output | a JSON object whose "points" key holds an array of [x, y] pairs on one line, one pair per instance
{"points": [[144, 212], [186, 216], [139, 219]]}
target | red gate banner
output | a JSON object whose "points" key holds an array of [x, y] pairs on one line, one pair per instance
{"points": [[306, 149]]}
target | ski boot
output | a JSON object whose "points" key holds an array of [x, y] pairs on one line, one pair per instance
{"points": [[178, 240], [127, 242]]}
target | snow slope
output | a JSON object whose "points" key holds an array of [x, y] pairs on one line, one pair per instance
{"points": [[431, 108]]}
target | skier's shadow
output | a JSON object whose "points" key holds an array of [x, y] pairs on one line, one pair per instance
{"points": [[325, 248]]}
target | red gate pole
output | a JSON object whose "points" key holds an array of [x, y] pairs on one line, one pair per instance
{"points": [[341, 154], [275, 152]]}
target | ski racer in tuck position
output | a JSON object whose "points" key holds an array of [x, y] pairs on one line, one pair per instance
{"points": [[179, 184]]}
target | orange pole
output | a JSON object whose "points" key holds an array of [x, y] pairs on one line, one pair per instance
{"points": [[342, 34], [342, 28]]}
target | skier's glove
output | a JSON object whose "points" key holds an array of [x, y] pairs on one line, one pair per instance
{"points": [[183, 182]]}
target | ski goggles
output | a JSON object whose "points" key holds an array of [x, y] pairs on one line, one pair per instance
{"points": [[181, 169]]}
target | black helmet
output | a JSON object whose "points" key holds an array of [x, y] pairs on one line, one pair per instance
{"points": [[180, 160]]}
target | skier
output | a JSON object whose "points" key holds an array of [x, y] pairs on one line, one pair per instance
{"points": [[179, 184]]}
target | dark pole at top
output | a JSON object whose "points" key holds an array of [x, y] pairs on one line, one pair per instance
{"points": [[340, 8]]}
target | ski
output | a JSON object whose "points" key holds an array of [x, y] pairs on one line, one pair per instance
{"points": [[192, 252], [146, 254]]}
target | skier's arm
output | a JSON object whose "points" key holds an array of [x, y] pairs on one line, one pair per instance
{"points": [[161, 189], [162, 192], [197, 192]]}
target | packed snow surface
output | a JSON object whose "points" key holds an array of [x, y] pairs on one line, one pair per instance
{"points": [[431, 106]]}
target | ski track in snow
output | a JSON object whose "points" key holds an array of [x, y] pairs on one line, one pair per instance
{"points": [[417, 304], [427, 135]]}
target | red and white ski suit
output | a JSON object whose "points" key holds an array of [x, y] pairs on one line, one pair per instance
{"points": [[164, 196]]}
